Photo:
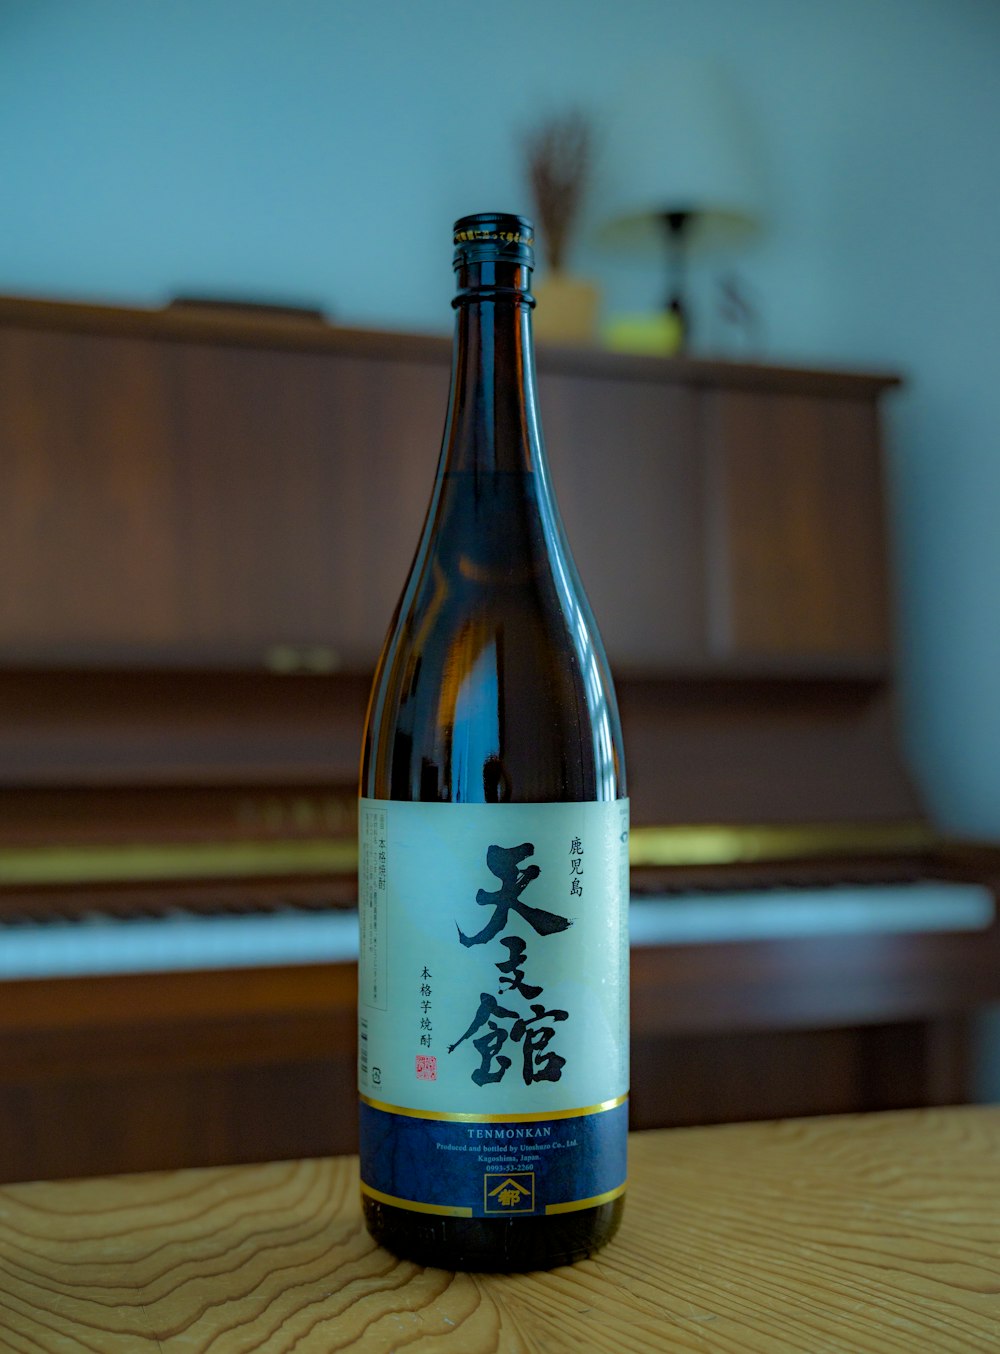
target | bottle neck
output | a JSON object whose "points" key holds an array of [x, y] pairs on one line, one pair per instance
{"points": [[492, 412]]}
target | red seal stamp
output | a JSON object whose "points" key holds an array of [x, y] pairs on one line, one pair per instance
{"points": [[427, 1067]]}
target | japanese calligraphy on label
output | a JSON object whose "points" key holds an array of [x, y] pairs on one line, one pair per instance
{"points": [[493, 954]]}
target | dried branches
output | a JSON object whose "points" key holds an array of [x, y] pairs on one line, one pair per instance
{"points": [[559, 154]]}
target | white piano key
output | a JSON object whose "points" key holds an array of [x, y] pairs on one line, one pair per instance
{"points": [[841, 909], [177, 942], [185, 941]]}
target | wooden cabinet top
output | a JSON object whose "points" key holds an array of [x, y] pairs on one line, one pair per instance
{"points": [[266, 327]]}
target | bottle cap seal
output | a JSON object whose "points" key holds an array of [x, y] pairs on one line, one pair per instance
{"points": [[494, 236]]}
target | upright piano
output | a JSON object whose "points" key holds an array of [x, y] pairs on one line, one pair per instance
{"points": [[207, 515]]}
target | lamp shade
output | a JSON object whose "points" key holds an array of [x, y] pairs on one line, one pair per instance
{"points": [[679, 142]]}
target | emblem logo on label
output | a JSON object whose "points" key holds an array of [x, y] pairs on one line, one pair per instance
{"points": [[427, 1067], [514, 1193]]}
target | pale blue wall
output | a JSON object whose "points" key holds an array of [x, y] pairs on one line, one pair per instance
{"points": [[299, 149]]}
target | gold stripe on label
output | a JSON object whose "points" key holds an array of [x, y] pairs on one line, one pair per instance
{"points": [[442, 1210], [494, 1118], [575, 1205], [447, 1211]]}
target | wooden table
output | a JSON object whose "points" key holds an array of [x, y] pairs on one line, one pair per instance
{"points": [[854, 1234]]}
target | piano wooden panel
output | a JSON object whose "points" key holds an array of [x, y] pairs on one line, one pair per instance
{"points": [[797, 525], [89, 513], [206, 490], [628, 467], [214, 511], [314, 469]]}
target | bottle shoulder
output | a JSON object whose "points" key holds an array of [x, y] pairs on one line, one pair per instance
{"points": [[493, 683], [493, 692]]}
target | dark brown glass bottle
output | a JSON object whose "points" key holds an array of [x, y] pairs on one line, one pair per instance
{"points": [[493, 1044]]}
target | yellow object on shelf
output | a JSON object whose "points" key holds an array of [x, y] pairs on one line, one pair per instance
{"points": [[660, 335]]}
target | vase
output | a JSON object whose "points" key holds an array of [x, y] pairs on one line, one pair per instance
{"points": [[567, 308]]}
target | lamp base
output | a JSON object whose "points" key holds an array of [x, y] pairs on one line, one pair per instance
{"points": [[677, 226]]}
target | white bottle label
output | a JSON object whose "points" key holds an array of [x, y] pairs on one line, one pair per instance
{"points": [[493, 986]]}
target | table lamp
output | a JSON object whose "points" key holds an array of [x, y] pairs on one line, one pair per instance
{"points": [[683, 179]]}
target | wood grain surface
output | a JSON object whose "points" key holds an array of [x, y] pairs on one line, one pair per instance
{"points": [[877, 1233]]}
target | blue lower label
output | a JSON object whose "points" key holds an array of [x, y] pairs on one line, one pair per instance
{"points": [[494, 1169]]}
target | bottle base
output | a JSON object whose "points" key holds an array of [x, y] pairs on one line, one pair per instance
{"points": [[486, 1245]]}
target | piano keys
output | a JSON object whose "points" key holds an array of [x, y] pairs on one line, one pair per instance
{"points": [[91, 943]]}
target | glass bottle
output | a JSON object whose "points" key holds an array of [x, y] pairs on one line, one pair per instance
{"points": [[493, 1006]]}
